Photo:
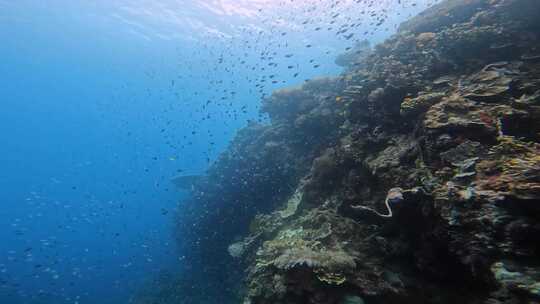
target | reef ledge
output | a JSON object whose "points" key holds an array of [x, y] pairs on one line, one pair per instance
{"points": [[413, 177]]}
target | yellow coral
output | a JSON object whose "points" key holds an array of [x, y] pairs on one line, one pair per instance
{"points": [[515, 173], [331, 278], [292, 204], [414, 106]]}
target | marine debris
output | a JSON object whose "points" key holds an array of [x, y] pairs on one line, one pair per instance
{"points": [[394, 195], [448, 109]]}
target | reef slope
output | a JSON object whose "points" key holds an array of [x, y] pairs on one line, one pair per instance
{"points": [[413, 177]]}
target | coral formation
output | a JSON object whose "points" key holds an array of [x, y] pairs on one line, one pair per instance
{"points": [[413, 177]]}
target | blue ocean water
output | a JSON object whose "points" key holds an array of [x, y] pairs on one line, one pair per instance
{"points": [[103, 102]]}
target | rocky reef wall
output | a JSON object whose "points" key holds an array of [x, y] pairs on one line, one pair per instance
{"points": [[413, 177]]}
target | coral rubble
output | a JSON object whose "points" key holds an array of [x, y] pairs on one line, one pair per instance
{"points": [[413, 177]]}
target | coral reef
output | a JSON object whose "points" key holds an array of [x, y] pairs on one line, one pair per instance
{"points": [[413, 177]]}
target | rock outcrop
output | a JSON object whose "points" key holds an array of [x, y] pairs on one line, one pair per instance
{"points": [[413, 177]]}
